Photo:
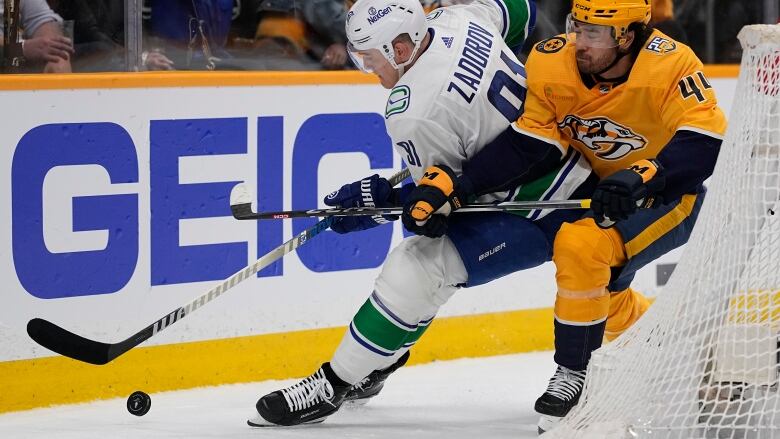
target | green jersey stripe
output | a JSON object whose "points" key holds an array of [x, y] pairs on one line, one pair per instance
{"points": [[534, 190], [519, 12]]}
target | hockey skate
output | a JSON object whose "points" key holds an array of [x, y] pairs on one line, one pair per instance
{"points": [[308, 402], [563, 392], [371, 385]]}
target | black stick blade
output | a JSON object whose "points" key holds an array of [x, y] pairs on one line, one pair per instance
{"points": [[243, 211], [66, 343], [241, 202]]}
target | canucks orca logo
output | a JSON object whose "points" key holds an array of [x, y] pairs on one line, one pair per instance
{"points": [[433, 15], [609, 140]]}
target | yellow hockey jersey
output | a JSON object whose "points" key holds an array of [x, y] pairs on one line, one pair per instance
{"points": [[614, 126]]}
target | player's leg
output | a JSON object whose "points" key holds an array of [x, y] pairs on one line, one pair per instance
{"points": [[495, 244], [419, 275], [489, 246], [370, 386], [417, 278], [645, 240], [625, 308], [590, 263], [583, 254]]}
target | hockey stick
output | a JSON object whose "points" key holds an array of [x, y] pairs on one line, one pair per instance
{"points": [[64, 342], [243, 210]]}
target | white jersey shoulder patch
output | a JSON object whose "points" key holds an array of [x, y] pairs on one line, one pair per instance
{"points": [[398, 101]]}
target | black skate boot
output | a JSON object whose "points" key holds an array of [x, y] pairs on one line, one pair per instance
{"points": [[562, 394], [370, 386], [307, 402]]}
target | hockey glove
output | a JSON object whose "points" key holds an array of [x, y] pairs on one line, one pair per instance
{"points": [[372, 191], [619, 195], [427, 206]]}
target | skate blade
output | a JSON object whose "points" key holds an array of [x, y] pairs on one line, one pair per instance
{"points": [[547, 423], [356, 403], [260, 422]]}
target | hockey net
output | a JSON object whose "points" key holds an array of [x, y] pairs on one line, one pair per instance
{"points": [[703, 361]]}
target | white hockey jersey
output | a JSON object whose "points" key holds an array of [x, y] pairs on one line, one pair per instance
{"points": [[465, 89]]}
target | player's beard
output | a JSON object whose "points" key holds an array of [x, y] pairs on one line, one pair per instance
{"points": [[589, 64]]}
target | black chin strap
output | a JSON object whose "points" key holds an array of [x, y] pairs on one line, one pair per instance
{"points": [[618, 57]]}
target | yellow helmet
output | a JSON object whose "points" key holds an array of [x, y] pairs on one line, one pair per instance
{"points": [[615, 13]]}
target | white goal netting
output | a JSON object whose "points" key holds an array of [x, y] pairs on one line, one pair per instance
{"points": [[704, 361]]}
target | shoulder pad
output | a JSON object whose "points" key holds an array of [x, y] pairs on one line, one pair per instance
{"points": [[398, 101], [550, 45]]}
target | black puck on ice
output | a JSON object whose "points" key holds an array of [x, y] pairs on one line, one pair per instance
{"points": [[139, 403]]}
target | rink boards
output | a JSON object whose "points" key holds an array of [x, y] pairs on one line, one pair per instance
{"points": [[116, 212]]}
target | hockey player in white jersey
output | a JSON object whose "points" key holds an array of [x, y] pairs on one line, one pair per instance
{"points": [[455, 85]]}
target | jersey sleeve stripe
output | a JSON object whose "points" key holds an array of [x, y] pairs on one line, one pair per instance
{"points": [[538, 137], [571, 160], [519, 18], [504, 17], [712, 134]]}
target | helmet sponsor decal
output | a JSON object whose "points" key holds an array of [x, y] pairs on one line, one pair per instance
{"points": [[375, 14], [608, 139]]}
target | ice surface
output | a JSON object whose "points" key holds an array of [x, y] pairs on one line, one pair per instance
{"points": [[485, 398]]}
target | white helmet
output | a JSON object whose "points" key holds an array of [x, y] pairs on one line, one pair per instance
{"points": [[374, 24]]}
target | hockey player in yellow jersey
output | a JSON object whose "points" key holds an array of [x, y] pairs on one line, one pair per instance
{"points": [[637, 105]]}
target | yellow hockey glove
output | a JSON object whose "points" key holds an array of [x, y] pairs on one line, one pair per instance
{"points": [[427, 206]]}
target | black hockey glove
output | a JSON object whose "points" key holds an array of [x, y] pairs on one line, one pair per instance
{"points": [[619, 195], [427, 206], [372, 191]]}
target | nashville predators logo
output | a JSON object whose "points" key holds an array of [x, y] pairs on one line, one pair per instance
{"points": [[607, 139], [551, 45]]}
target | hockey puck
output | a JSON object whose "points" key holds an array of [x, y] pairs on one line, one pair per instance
{"points": [[139, 403]]}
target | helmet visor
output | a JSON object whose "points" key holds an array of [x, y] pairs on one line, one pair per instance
{"points": [[367, 60], [589, 35]]}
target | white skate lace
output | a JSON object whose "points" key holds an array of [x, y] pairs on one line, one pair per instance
{"points": [[566, 383], [308, 392], [362, 384]]}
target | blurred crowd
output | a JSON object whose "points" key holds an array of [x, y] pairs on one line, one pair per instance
{"points": [[89, 35]]}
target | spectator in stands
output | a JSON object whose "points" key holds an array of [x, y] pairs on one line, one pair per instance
{"points": [[663, 20], [99, 33], [44, 46], [327, 38], [188, 34], [289, 34]]}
